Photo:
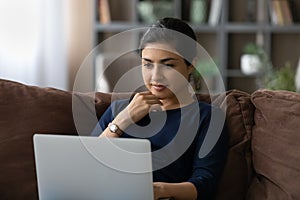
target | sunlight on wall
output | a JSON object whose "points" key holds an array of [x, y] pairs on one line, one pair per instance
{"points": [[32, 38], [19, 27], [19, 37]]}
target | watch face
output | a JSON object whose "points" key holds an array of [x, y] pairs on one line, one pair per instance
{"points": [[113, 128]]}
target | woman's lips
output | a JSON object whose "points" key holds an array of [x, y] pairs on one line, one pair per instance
{"points": [[158, 87]]}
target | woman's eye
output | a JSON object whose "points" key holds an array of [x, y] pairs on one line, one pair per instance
{"points": [[169, 65], [147, 65]]}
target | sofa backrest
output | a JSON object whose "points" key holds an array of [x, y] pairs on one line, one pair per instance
{"points": [[27, 110]]}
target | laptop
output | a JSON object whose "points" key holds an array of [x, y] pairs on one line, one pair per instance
{"points": [[89, 168]]}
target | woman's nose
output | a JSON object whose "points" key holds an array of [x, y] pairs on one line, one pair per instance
{"points": [[157, 72]]}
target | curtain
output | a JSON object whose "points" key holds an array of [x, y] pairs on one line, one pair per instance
{"points": [[33, 42]]}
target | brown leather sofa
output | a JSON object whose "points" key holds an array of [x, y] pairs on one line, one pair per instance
{"points": [[264, 127]]}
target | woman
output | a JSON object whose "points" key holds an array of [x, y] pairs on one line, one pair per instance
{"points": [[166, 68]]}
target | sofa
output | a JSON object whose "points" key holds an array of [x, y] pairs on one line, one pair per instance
{"points": [[264, 129]]}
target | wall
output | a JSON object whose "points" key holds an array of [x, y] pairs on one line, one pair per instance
{"points": [[80, 27]]}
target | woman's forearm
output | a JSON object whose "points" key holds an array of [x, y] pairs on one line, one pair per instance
{"points": [[178, 191], [122, 121]]}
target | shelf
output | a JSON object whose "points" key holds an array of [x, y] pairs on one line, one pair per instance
{"points": [[251, 27], [230, 27], [223, 42], [244, 27], [238, 73], [122, 26], [234, 73], [285, 29], [117, 26], [204, 28]]}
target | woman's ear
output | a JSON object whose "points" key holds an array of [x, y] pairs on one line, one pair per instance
{"points": [[194, 62], [191, 69], [192, 66]]}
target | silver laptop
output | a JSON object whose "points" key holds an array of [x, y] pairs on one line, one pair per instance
{"points": [[88, 168]]}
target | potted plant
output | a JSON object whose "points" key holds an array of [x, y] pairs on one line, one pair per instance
{"points": [[253, 59], [281, 79]]}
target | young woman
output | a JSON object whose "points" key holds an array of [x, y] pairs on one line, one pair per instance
{"points": [[182, 121]]}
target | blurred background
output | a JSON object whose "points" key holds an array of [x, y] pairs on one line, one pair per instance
{"points": [[44, 42]]}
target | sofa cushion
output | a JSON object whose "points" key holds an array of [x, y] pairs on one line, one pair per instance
{"points": [[26, 110], [275, 145], [237, 173]]}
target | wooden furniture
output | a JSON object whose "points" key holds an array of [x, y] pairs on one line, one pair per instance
{"points": [[225, 41]]}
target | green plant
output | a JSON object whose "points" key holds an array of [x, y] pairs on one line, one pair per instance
{"points": [[253, 49], [204, 68], [281, 79]]}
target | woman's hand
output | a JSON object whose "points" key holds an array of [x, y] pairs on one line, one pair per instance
{"points": [[159, 191], [178, 191], [140, 106]]}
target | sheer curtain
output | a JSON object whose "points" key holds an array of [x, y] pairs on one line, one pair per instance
{"points": [[33, 42]]}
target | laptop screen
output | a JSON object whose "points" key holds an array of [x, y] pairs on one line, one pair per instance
{"points": [[81, 167]]}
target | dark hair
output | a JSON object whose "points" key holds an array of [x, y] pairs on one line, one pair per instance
{"points": [[166, 30]]}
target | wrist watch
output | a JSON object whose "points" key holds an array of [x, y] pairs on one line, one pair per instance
{"points": [[114, 128]]}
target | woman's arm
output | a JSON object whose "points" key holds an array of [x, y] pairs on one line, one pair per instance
{"points": [[122, 120], [208, 169], [176, 191], [137, 109]]}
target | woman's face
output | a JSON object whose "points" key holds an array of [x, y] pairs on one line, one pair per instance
{"points": [[165, 73]]}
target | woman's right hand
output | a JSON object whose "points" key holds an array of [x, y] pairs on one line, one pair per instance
{"points": [[140, 106]]}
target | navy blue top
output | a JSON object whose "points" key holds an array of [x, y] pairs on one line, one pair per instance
{"points": [[176, 137]]}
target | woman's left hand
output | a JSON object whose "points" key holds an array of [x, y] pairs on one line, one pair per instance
{"points": [[159, 190], [180, 191]]}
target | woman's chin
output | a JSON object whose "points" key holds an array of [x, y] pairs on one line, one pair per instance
{"points": [[161, 94]]}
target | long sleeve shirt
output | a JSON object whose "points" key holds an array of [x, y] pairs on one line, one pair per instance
{"points": [[177, 137]]}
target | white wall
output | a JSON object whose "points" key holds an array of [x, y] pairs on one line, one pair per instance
{"points": [[44, 42]]}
